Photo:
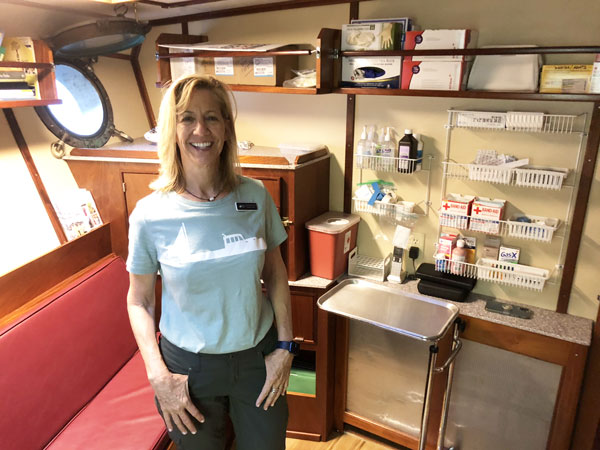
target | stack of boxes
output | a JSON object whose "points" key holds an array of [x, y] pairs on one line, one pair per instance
{"points": [[437, 72], [376, 35]]}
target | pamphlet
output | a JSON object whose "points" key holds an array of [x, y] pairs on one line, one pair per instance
{"points": [[77, 212]]}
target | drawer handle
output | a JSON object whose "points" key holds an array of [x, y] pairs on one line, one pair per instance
{"points": [[299, 339], [286, 221]]}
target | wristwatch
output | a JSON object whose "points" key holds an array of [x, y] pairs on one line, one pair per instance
{"points": [[290, 346]]}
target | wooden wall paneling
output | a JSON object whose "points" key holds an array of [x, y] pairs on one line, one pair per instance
{"points": [[253, 9], [579, 212], [565, 408], [329, 66], [46, 76], [139, 78], [587, 426], [349, 153], [21, 286], [518, 341], [342, 333], [35, 176]]}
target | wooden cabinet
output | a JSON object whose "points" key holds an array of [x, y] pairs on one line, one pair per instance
{"points": [[300, 195], [311, 416]]}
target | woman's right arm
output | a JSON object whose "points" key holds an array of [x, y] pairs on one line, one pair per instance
{"points": [[171, 389]]}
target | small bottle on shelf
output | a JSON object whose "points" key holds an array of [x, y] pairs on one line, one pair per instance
{"points": [[459, 256], [362, 147], [388, 151], [407, 152]]}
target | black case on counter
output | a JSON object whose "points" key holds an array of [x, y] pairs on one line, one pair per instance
{"points": [[442, 291], [427, 272]]}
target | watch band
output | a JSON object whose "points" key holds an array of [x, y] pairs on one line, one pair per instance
{"points": [[290, 346]]}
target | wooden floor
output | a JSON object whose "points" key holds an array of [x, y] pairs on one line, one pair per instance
{"points": [[346, 441]]}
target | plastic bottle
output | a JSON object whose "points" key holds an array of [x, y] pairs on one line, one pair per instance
{"points": [[371, 147], [459, 255], [407, 149], [419, 151], [388, 151], [361, 147]]}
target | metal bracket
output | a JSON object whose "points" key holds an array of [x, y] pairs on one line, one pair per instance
{"points": [[57, 149]]}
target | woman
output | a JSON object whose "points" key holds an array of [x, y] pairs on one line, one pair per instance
{"points": [[212, 234]]}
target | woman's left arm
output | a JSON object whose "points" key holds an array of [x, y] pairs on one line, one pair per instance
{"points": [[279, 362]]}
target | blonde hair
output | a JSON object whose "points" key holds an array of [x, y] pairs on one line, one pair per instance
{"points": [[175, 100]]}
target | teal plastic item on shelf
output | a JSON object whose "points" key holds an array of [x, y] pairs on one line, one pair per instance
{"points": [[302, 381]]}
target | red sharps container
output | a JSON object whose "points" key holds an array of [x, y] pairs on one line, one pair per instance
{"points": [[331, 237]]}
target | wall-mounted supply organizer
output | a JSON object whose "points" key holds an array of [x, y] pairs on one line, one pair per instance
{"points": [[539, 229], [500, 272], [486, 169], [402, 211], [531, 176]]}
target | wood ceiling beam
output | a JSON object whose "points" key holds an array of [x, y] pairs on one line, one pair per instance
{"points": [[253, 9], [176, 4]]}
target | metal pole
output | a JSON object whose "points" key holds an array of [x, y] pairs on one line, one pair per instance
{"points": [[433, 351], [445, 405]]}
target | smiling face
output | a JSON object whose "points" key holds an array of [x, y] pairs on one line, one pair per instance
{"points": [[201, 130]]}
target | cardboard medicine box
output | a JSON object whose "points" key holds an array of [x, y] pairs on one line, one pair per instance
{"points": [[486, 215], [433, 75], [371, 36], [439, 39], [566, 78], [371, 71], [455, 211], [249, 70]]}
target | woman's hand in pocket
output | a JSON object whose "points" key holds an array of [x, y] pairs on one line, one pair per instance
{"points": [[173, 396]]}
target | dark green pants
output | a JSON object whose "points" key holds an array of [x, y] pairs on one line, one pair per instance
{"points": [[229, 384]]}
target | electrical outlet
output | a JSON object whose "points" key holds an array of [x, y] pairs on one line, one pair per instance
{"points": [[417, 240]]}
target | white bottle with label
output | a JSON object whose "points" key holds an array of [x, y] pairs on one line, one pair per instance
{"points": [[373, 147], [459, 256], [388, 152], [362, 147]]}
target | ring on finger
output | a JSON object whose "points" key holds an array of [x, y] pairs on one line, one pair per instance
{"points": [[274, 390]]}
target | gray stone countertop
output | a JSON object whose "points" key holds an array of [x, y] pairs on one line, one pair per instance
{"points": [[566, 327]]}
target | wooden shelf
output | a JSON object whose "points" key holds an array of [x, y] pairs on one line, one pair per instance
{"points": [[479, 51], [46, 78], [274, 89], [490, 95], [212, 54], [328, 42], [24, 103]]}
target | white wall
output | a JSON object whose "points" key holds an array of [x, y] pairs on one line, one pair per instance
{"points": [[270, 119]]}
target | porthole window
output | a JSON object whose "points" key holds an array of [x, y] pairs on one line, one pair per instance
{"points": [[84, 118]]}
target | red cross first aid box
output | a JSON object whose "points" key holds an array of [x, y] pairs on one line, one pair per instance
{"points": [[486, 215]]}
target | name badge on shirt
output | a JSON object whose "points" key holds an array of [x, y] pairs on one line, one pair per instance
{"points": [[243, 206]]}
